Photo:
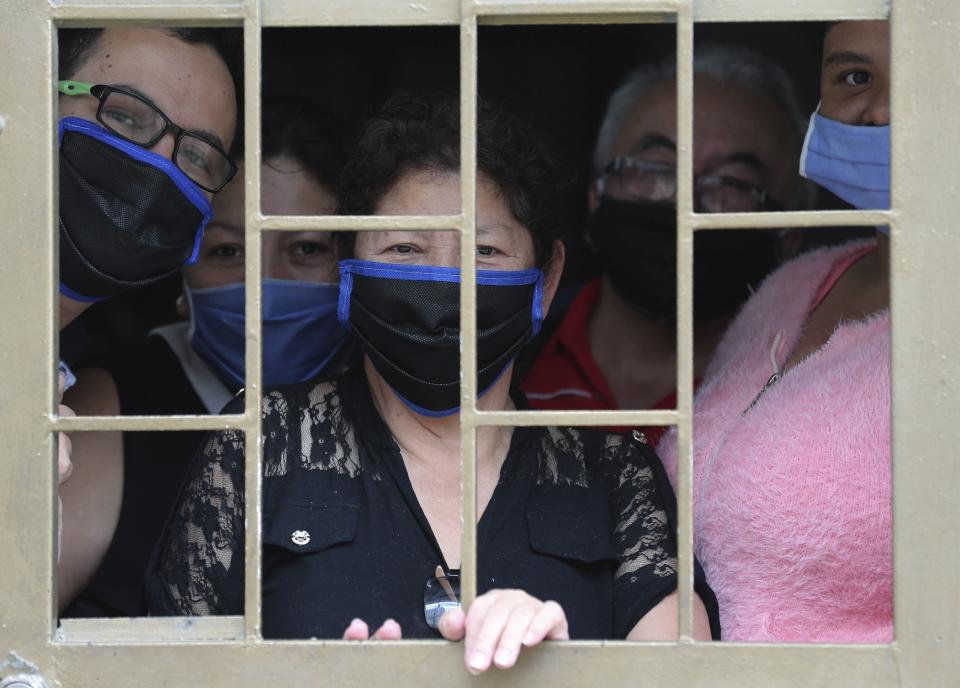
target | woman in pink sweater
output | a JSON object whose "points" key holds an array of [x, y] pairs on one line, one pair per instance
{"points": [[792, 482]]}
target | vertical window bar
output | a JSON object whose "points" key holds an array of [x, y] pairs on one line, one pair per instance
{"points": [[252, 264], [468, 267], [685, 317]]}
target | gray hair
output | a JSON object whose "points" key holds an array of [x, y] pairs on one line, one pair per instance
{"points": [[734, 64]]}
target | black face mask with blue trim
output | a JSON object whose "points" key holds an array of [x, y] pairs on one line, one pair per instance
{"points": [[407, 319], [128, 217]]}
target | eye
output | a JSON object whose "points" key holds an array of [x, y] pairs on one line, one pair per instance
{"points": [[857, 78], [194, 156], [401, 248], [226, 251], [309, 248], [486, 250], [120, 118]]}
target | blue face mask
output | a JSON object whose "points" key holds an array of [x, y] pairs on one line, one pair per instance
{"points": [[852, 162], [300, 336]]}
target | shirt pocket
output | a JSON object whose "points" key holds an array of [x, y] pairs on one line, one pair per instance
{"points": [[571, 523], [308, 528]]}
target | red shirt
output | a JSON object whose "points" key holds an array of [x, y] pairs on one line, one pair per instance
{"points": [[565, 375]]}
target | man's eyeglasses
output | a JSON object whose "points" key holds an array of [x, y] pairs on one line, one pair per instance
{"points": [[440, 595], [633, 179], [137, 120]]}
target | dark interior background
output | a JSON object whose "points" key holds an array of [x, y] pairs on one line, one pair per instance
{"points": [[559, 77]]}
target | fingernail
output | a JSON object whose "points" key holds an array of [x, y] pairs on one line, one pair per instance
{"points": [[528, 638], [504, 658], [478, 661], [355, 622]]}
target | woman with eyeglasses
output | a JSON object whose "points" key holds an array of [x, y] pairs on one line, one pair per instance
{"points": [[125, 484], [361, 476]]}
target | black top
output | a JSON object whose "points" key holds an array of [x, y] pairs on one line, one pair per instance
{"points": [[149, 380], [580, 517]]}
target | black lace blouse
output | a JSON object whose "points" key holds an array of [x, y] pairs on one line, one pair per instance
{"points": [[581, 517]]}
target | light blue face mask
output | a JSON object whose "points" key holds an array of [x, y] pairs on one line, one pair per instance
{"points": [[850, 161], [300, 336]]}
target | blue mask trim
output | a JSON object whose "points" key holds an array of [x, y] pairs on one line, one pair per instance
{"points": [[851, 161], [433, 273], [187, 187], [71, 294]]}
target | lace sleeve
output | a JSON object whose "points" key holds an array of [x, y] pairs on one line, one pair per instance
{"points": [[645, 534], [200, 566], [642, 531]]}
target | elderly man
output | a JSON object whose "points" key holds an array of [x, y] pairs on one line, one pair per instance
{"points": [[616, 346]]}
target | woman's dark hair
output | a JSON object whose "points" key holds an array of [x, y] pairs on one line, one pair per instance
{"points": [[411, 134], [315, 139]]}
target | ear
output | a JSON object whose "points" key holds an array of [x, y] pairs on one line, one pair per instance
{"points": [[552, 273], [593, 196]]}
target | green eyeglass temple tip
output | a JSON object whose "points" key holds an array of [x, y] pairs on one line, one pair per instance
{"points": [[74, 88]]}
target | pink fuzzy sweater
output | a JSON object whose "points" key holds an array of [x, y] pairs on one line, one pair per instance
{"points": [[792, 498]]}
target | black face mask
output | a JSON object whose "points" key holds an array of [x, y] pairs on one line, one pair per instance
{"points": [[407, 319], [637, 246], [128, 217]]}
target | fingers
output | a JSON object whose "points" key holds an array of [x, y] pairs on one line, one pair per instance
{"points": [[550, 623], [390, 630], [64, 449], [500, 622], [453, 625], [358, 630]]}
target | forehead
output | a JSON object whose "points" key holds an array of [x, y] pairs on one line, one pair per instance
{"points": [[727, 117], [868, 38], [438, 193], [188, 81]]}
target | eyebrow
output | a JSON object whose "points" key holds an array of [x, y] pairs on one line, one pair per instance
{"points": [[650, 141], [744, 158], [204, 133], [846, 57]]}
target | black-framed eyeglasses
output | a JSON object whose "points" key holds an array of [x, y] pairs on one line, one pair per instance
{"points": [[135, 119], [635, 179], [440, 595]]}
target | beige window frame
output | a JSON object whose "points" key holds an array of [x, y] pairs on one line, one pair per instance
{"points": [[230, 651]]}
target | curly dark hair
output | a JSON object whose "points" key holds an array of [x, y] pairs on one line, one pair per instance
{"points": [[411, 134], [315, 139]]}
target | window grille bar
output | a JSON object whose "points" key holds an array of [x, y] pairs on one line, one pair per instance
{"points": [[574, 418], [362, 223], [468, 304], [253, 444], [149, 423], [79, 14], [827, 219], [634, 9], [685, 319]]}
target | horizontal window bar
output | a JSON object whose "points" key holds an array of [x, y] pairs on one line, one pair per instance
{"points": [[149, 423], [278, 13], [812, 218], [564, 418], [102, 12], [155, 629], [565, 7], [361, 223], [789, 10], [360, 13], [425, 664]]}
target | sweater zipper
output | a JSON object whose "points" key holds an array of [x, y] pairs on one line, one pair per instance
{"points": [[777, 374]]}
